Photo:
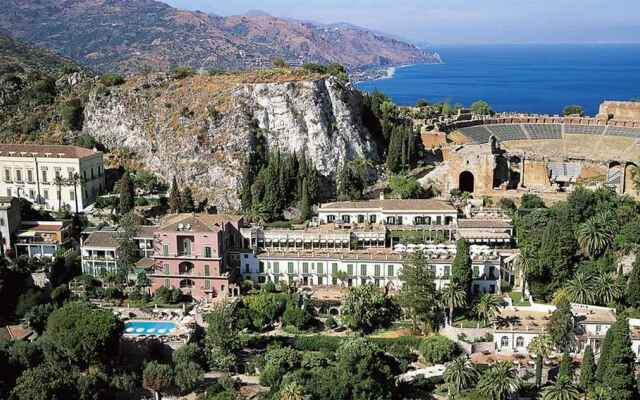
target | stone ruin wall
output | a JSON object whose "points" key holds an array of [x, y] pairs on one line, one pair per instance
{"points": [[620, 111]]}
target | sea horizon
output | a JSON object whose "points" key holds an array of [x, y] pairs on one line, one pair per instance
{"points": [[534, 78]]}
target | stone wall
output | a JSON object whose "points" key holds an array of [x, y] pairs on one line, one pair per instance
{"points": [[620, 110]]}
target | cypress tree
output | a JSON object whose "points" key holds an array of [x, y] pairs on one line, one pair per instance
{"points": [[175, 200], [305, 203], [587, 369], [566, 367], [186, 200], [619, 375], [461, 269], [245, 192], [603, 361], [394, 151], [562, 326], [633, 286], [126, 200]]}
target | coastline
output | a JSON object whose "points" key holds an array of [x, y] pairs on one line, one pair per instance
{"points": [[382, 74]]}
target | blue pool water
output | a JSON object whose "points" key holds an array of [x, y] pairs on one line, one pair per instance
{"points": [[149, 328], [526, 78]]}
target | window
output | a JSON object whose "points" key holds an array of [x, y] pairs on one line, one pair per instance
{"points": [[350, 269], [476, 272], [9, 192], [32, 194], [165, 250], [372, 219], [206, 270], [276, 267], [331, 218], [70, 173], [377, 270], [44, 175], [72, 195], [390, 270], [438, 220], [29, 175], [261, 267], [346, 219], [320, 268], [399, 220], [1, 221], [361, 219], [447, 271], [305, 268], [167, 283], [334, 268], [363, 269], [166, 269], [19, 175], [433, 270], [7, 175], [45, 194], [58, 173], [290, 267], [207, 252], [391, 220], [504, 341], [519, 341], [247, 269], [207, 284]]}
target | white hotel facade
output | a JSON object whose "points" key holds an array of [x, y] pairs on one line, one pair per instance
{"points": [[38, 172]]}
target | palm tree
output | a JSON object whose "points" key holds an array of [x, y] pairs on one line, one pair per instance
{"points": [[487, 307], [459, 375], [581, 288], [523, 264], [499, 382], [607, 289], [453, 296], [596, 234], [58, 181], [74, 181], [291, 391], [541, 346], [562, 389]]}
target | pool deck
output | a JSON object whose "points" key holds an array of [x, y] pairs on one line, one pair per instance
{"points": [[178, 330]]}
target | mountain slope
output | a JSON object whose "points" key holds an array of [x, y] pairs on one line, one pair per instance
{"points": [[130, 35], [39, 91]]}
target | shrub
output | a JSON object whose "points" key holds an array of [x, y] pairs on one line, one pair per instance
{"points": [[183, 72], [331, 323], [72, 114], [279, 63], [112, 80], [295, 316], [278, 362], [438, 349]]}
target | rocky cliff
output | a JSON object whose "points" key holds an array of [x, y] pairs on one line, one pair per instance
{"points": [[202, 128]]}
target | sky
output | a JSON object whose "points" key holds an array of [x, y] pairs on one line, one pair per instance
{"points": [[458, 21]]}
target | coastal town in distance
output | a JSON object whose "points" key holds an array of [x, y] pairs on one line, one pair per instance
{"points": [[233, 207]]}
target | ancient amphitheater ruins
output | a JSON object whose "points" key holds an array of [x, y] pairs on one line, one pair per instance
{"points": [[541, 154]]}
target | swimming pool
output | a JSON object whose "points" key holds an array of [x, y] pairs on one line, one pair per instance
{"points": [[157, 328]]}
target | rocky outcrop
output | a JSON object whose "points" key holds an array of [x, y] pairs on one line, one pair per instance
{"points": [[202, 129]]}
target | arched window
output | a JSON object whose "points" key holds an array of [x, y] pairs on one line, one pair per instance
{"points": [[519, 341], [504, 341], [185, 268], [186, 284]]}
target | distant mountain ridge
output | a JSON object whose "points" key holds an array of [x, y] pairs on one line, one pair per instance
{"points": [[131, 35]]}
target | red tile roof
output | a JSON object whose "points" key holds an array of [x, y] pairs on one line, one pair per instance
{"points": [[43, 149]]}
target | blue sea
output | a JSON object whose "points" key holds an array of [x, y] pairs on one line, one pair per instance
{"points": [[527, 78]]}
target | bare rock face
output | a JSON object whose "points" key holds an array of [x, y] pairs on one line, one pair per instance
{"points": [[202, 129]]}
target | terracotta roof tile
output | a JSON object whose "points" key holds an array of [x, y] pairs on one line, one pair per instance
{"points": [[101, 239]]}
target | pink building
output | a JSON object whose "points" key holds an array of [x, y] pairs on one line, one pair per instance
{"points": [[189, 253]]}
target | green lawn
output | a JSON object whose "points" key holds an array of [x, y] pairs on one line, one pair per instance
{"points": [[518, 300], [467, 322]]}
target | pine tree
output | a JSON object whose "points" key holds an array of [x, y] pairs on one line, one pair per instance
{"points": [[126, 200], [566, 367], [633, 285], [175, 199], [418, 295], [619, 375], [186, 201], [461, 269], [305, 203], [587, 370]]}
